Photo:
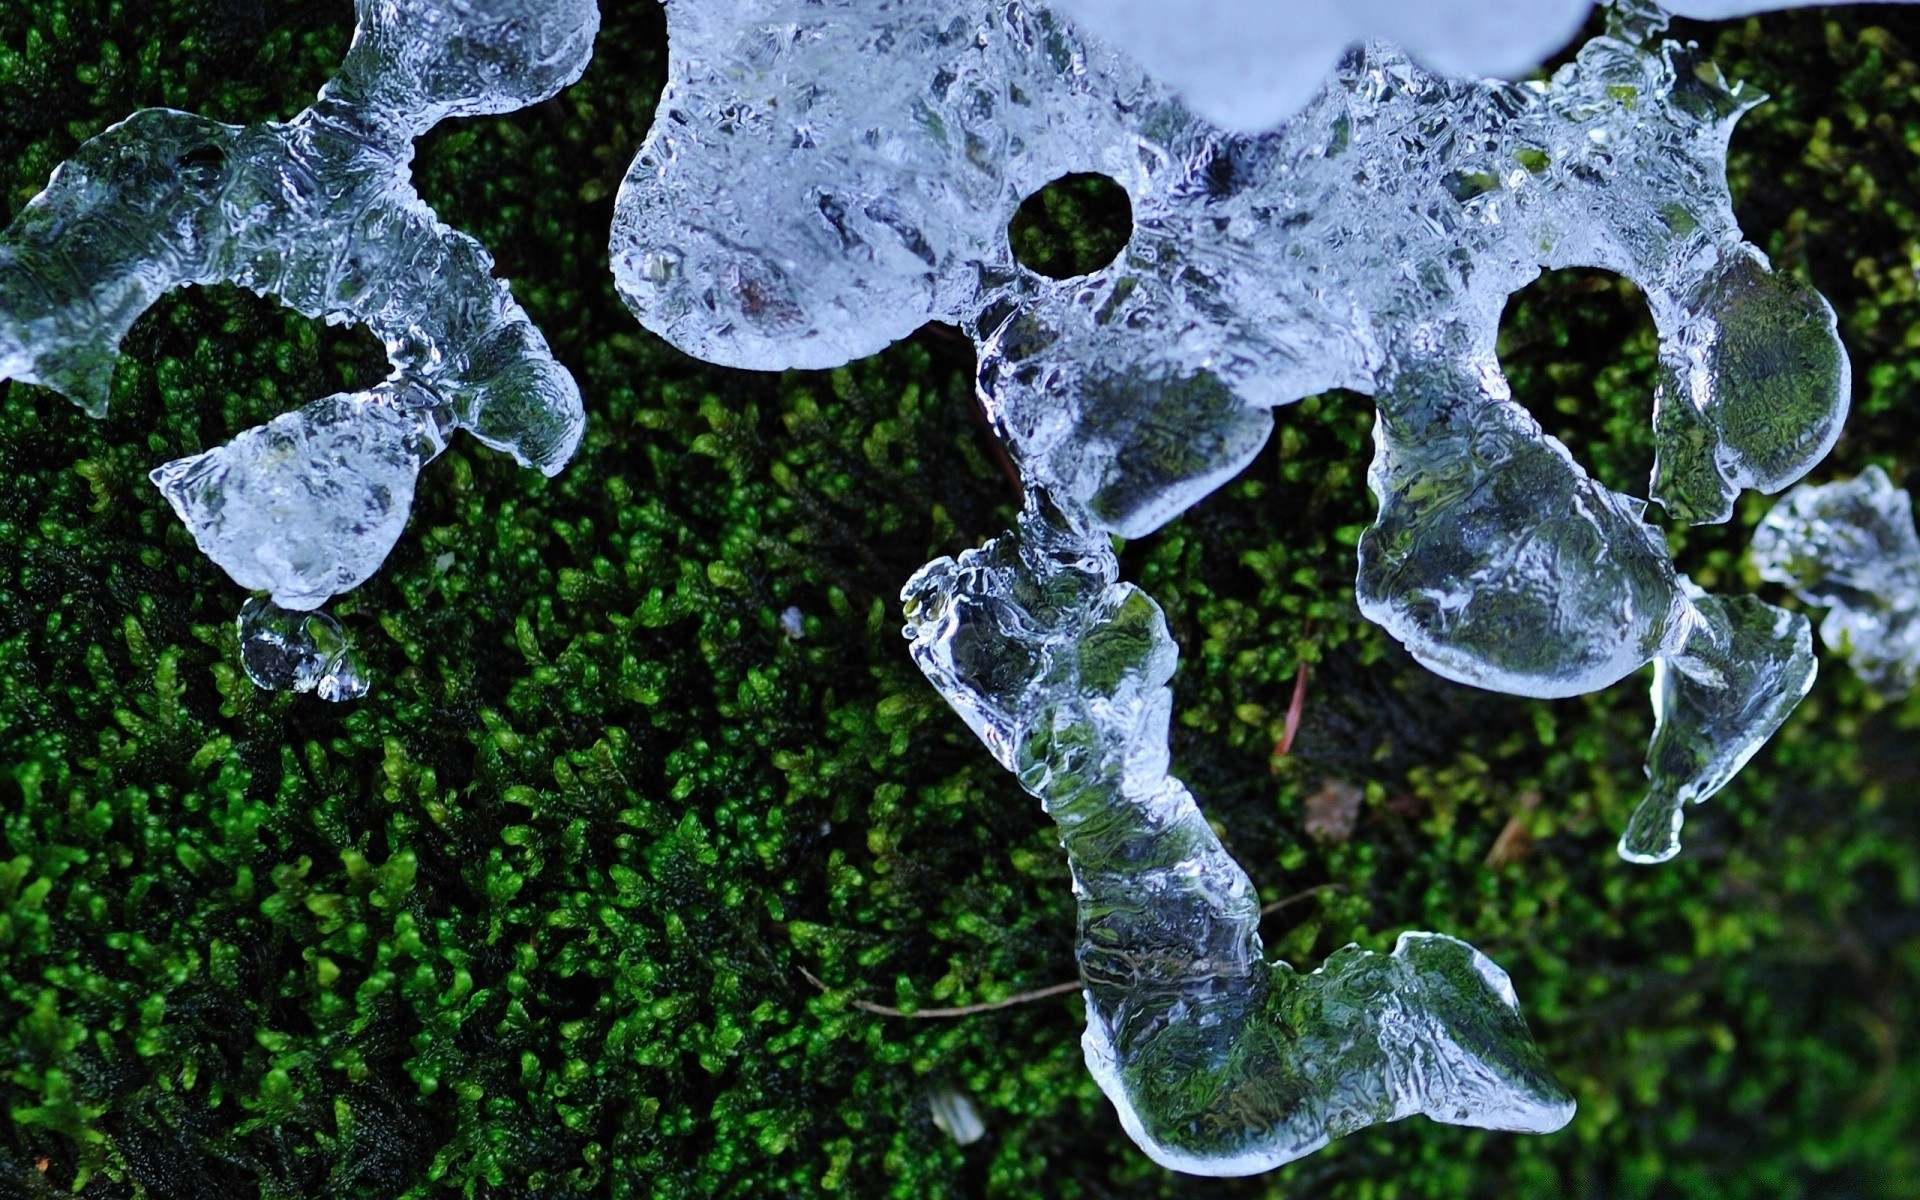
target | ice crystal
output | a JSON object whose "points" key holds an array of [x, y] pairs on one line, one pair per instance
{"points": [[319, 212], [1219, 1062], [871, 155], [1851, 548], [286, 651]]}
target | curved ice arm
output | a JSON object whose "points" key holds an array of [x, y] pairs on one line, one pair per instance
{"points": [[1488, 528], [320, 213], [1736, 677], [1850, 547], [1219, 1062]]}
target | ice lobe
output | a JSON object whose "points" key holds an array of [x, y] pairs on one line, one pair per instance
{"points": [[320, 212], [307, 505], [1219, 1062], [871, 155], [1851, 548], [1250, 64]]}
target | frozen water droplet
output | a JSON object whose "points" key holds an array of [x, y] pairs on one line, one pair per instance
{"points": [[285, 651], [307, 505]]}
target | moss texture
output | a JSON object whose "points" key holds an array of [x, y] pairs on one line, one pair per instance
{"points": [[535, 918]]}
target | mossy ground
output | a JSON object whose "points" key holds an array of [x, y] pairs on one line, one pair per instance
{"points": [[531, 919]]}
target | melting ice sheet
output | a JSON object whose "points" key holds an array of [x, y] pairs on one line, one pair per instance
{"points": [[1850, 548], [1219, 1062], [872, 155], [321, 213]]}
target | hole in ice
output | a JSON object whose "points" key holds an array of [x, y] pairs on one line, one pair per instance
{"points": [[202, 165], [246, 358], [1554, 332], [1073, 226]]}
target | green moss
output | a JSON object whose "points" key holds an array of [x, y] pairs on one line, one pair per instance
{"points": [[532, 919]]}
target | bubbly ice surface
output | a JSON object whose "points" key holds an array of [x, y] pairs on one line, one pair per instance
{"points": [[1219, 1062], [320, 212], [870, 156], [1851, 548]]}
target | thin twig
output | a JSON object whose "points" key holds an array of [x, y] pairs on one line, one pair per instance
{"points": [[1045, 993], [1295, 706], [1297, 897], [965, 1010]]}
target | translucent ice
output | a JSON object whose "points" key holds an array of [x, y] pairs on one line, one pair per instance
{"points": [[319, 212], [1219, 1062], [307, 505], [870, 156], [1851, 548], [298, 652]]}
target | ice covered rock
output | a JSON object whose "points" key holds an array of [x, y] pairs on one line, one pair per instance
{"points": [[1219, 1061], [319, 212], [1851, 548], [868, 157]]}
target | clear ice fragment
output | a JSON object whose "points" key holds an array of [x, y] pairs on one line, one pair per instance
{"points": [[286, 651], [872, 154], [1736, 678], [1219, 1062], [1851, 548], [954, 1112], [307, 505], [319, 212]]}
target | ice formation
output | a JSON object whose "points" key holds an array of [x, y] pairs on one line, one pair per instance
{"points": [[1249, 64], [321, 213], [1851, 548], [822, 179], [1219, 1062], [871, 155], [287, 651]]}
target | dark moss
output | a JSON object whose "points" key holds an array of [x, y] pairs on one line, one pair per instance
{"points": [[532, 919]]}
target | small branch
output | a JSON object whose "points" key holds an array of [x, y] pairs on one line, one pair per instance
{"points": [[1297, 897], [965, 1010]]}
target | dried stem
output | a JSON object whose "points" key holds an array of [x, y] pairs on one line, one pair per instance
{"points": [[1045, 993]]}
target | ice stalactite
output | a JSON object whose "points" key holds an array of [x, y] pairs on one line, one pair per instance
{"points": [[319, 212]]}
